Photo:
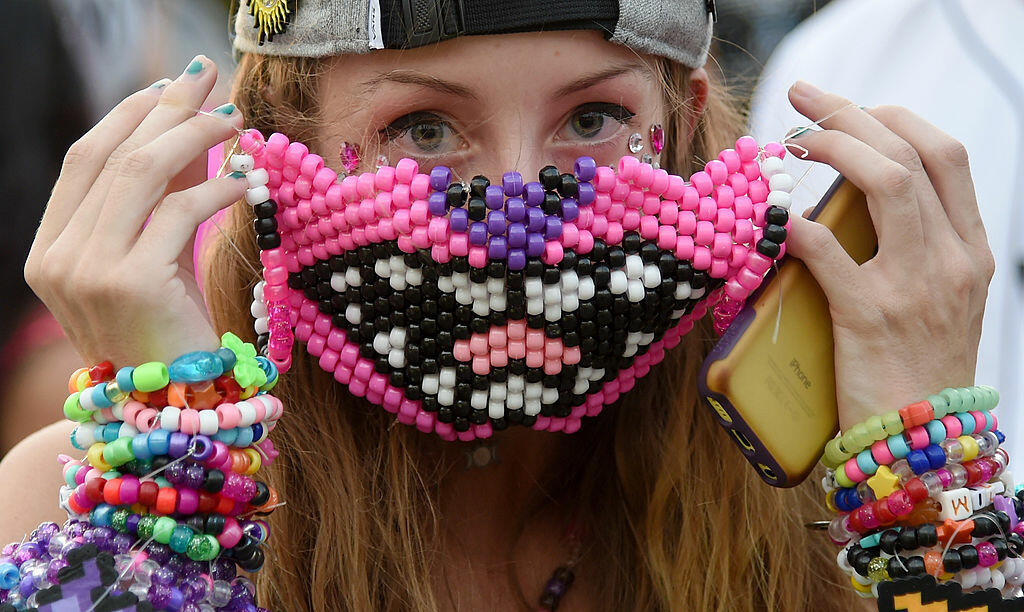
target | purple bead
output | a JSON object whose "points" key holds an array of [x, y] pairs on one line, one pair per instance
{"points": [[516, 259], [535, 219], [121, 543], [159, 596], [193, 569], [516, 235], [440, 177], [459, 220], [178, 445], [102, 537], [496, 222], [534, 245], [53, 568], [27, 586], [27, 552], [175, 472], [202, 447], [176, 599], [437, 203], [10, 549], [76, 529], [194, 589], [478, 233], [515, 209], [132, 523], [586, 194], [497, 248], [190, 607], [512, 183], [552, 228], [494, 197], [223, 569], [193, 476], [44, 532], [164, 576], [570, 211], [533, 194], [555, 587], [585, 168], [175, 563]]}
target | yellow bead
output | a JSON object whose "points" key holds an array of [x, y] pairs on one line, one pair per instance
{"points": [[83, 381], [255, 461], [830, 501], [970, 447], [95, 456], [877, 569], [248, 392], [884, 482], [834, 455], [863, 588]]}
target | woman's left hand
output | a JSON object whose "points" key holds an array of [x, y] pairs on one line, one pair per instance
{"points": [[907, 322]]}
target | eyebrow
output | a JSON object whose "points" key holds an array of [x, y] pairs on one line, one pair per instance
{"points": [[408, 77], [590, 80]]}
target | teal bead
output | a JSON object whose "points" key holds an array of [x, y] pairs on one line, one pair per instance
{"points": [[898, 446], [990, 422], [101, 515], [180, 538], [866, 462], [99, 395], [124, 379], [196, 366], [870, 541], [244, 438], [227, 436], [939, 405], [227, 357], [936, 431], [268, 368], [968, 422], [10, 576]]}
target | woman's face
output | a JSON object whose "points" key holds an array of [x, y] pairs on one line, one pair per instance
{"points": [[489, 104], [521, 328]]}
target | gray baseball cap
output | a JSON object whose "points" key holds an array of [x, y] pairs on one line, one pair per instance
{"points": [[677, 29]]}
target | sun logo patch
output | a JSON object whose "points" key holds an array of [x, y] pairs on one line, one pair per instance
{"points": [[269, 17]]}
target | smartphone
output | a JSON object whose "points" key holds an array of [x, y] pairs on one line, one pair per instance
{"points": [[770, 379]]}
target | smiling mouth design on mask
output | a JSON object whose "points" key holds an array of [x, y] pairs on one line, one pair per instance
{"points": [[465, 309]]}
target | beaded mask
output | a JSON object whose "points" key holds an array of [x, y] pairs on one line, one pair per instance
{"points": [[466, 308]]}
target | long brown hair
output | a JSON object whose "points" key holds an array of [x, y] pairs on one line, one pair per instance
{"points": [[678, 518]]}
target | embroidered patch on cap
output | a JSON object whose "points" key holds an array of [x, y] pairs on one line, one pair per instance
{"points": [[269, 17]]}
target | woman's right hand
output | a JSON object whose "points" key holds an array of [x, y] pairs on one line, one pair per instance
{"points": [[124, 290]]}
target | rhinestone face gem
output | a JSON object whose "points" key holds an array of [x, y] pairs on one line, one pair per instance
{"points": [[350, 156], [636, 142], [657, 138]]}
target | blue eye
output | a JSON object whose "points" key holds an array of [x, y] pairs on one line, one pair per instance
{"points": [[595, 121], [421, 133]]}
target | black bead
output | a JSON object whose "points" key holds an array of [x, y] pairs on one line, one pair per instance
{"points": [[254, 562], [776, 215], [514, 416], [775, 233], [456, 195], [461, 409], [602, 274], [699, 279], [552, 204], [477, 209], [265, 210], [1001, 548], [649, 252], [1004, 521], [262, 494], [570, 261], [616, 257], [860, 562], [631, 242], [245, 547], [908, 538], [214, 524], [528, 420], [1016, 544], [478, 186], [896, 568], [600, 250], [549, 178], [499, 424], [951, 562], [265, 225], [888, 541], [915, 566], [927, 535], [478, 417], [568, 187], [983, 527], [768, 248], [267, 242], [968, 556], [461, 424], [445, 415]]}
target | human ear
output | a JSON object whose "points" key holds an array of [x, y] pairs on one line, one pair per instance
{"points": [[698, 84]]}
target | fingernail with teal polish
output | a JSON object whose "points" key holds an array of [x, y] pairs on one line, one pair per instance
{"points": [[225, 109], [160, 84], [237, 175], [798, 132], [194, 68]]}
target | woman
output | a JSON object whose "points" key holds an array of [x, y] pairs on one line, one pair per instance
{"points": [[380, 516]]}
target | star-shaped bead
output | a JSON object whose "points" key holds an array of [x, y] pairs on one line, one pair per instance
{"points": [[883, 483]]}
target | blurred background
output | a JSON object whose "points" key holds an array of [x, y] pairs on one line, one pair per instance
{"points": [[75, 59]]}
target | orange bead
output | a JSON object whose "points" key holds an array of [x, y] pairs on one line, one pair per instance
{"points": [[204, 396], [112, 492], [140, 396], [176, 394], [272, 501], [918, 413], [933, 562], [947, 529], [73, 381], [166, 501], [224, 506]]}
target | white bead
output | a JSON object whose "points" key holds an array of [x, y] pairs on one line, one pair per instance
{"points": [[552, 312], [498, 392], [781, 199], [549, 395], [382, 343], [552, 295], [396, 337], [570, 281], [771, 166], [462, 296], [170, 418], [414, 276], [397, 280], [208, 424], [257, 290], [570, 302], [514, 401], [586, 290], [534, 305], [397, 264], [531, 407], [998, 580], [495, 410], [635, 290], [617, 282], [697, 293], [481, 307], [353, 314], [338, 282], [85, 399], [241, 163], [257, 195], [495, 285], [498, 302], [461, 279], [841, 560], [446, 397], [597, 374], [446, 284], [954, 504], [516, 384], [353, 278], [447, 378], [381, 268], [478, 400], [257, 309], [430, 384], [781, 182], [257, 177], [533, 390], [581, 386], [126, 430], [533, 287], [652, 276], [396, 358], [478, 291], [634, 266], [248, 412]]}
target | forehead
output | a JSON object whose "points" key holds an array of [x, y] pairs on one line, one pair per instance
{"points": [[525, 62]]}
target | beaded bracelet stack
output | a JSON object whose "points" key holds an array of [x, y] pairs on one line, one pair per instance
{"points": [[167, 492], [925, 490]]}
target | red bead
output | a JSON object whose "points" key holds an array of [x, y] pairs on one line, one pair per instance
{"points": [[916, 489], [882, 512], [224, 506], [101, 372], [974, 473], [94, 489], [158, 398], [166, 501], [148, 491], [228, 388], [207, 502], [112, 492]]}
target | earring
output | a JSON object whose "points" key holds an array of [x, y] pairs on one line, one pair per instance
{"points": [[350, 155], [657, 138], [636, 142]]}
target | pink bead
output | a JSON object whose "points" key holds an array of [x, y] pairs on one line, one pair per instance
{"points": [[721, 245], [405, 170], [702, 183], [738, 183], [719, 267], [717, 170], [631, 219], [627, 168], [725, 220], [705, 233], [424, 421], [604, 180], [684, 248], [775, 150], [614, 233], [724, 196], [731, 159], [707, 210], [759, 263], [478, 256], [277, 144], [328, 360], [954, 428], [918, 437], [757, 191], [458, 244], [899, 503], [751, 171], [534, 338], [570, 235], [748, 279], [644, 176], [687, 223], [420, 187], [701, 258], [365, 184], [676, 187], [481, 365], [635, 198], [660, 182], [462, 351], [747, 148], [310, 165], [294, 154], [648, 227], [517, 349], [743, 231], [666, 238], [853, 471], [440, 253], [384, 178], [735, 290]]}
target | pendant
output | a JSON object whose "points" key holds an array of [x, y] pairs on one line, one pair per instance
{"points": [[270, 17]]}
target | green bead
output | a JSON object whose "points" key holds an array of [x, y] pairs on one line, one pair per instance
{"points": [[892, 423], [119, 520], [966, 398], [145, 527], [939, 405], [834, 455], [73, 410], [951, 396], [875, 428], [878, 570], [162, 482], [842, 479], [151, 376], [848, 442], [992, 396], [180, 538], [861, 435], [203, 548], [164, 529], [118, 452]]}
